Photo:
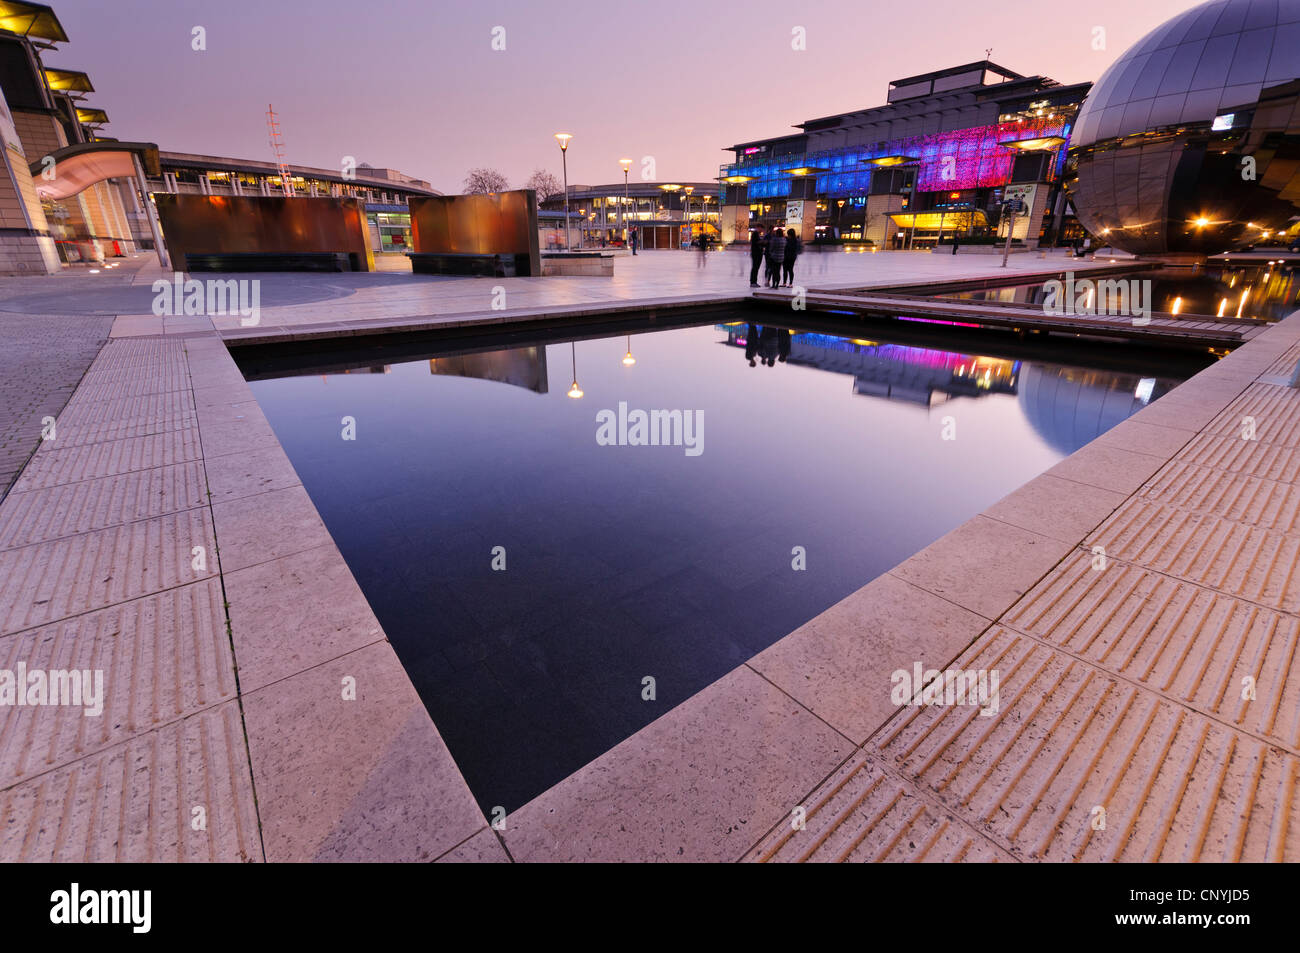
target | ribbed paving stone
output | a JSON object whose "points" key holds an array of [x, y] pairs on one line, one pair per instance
{"points": [[33, 516], [162, 657], [137, 801]]}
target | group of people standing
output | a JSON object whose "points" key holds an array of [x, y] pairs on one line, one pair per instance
{"points": [[779, 249]]}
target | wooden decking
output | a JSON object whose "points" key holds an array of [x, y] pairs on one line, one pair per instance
{"points": [[1166, 329]]}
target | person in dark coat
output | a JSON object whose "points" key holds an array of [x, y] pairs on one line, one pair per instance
{"points": [[757, 251], [633, 240], [751, 343], [792, 248], [769, 344], [775, 257]]}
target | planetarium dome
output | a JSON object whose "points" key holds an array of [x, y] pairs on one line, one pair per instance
{"points": [[1190, 142]]}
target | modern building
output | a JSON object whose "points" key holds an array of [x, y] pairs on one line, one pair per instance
{"points": [[384, 191], [938, 160], [665, 214], [69, 193], [43, 111], [1189, 144]]}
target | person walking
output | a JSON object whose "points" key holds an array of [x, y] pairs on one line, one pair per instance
{"points": [[757, 251], [632, 240], [775, 257], [793, 246]]}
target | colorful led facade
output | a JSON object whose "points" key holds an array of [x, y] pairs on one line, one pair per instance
{"points": [[948, 141]]}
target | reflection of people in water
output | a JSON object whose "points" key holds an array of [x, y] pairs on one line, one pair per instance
{"points": [[751, 344], [768, 346]]}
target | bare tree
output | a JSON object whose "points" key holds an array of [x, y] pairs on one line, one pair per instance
{"points": [[545, 184], [481, 181]]}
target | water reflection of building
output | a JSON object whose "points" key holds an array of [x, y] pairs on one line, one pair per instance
{"points": [[1269, 291], [897, 372], [520, 366], [1069, 406]]}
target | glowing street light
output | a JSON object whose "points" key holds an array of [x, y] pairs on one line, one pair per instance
{"points": [[628, 359], [575, 391], [626, 164], [563, 139]]}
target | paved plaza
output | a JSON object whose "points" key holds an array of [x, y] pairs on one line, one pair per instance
{"points": [[165, 538]]}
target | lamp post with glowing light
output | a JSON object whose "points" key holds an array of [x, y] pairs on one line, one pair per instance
{"points": [[563, 139], [626, 164], [574, 391], [628, 359], [689, 229]]}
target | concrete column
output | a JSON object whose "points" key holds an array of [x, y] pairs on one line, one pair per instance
{"points": [[151, 214]]}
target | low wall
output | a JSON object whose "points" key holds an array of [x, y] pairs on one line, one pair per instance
{"points": [[584, 265]]}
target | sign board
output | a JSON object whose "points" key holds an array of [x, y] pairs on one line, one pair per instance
{"points": [[1021, 193], [794, 214]]}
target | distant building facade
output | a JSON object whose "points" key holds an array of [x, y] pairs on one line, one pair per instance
{"points": [[938, 160], [69, 193], [384, 191], [665, 214]]}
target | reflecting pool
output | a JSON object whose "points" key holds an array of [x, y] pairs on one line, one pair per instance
{"points": [[535, 556]]}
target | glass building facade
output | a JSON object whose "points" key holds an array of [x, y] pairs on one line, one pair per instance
{"points": [[932, 164], [1190, 142]]}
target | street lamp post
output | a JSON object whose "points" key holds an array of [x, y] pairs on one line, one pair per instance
{"points": [[563, 139], [625, 164], [689, 228]]}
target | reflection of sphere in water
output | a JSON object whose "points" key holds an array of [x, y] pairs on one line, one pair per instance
{"points": [[1160, 140], [1069, 407]]}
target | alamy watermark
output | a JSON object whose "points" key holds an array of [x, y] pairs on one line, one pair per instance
{"points": [[76, 688], [951, 687], [652, 428], [216, 296], [1109, 296], [76, 906]]}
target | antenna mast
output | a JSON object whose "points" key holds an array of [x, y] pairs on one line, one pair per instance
{"points": [[277, 149]]}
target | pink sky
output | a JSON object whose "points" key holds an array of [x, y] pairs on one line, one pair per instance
{"points": [[415, 85]]}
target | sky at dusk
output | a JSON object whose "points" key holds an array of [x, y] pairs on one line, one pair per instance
{"points": [[415, 85]]}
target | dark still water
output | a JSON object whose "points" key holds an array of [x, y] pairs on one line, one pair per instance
{"points": [[672, 561]]}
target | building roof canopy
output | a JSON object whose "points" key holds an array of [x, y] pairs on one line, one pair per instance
{"points": [[68, 81], [34, 20], [79, 166]]}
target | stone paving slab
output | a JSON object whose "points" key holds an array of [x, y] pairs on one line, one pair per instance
{"points": [[354, 780], [1253, 563], [136, 802], [1190, 644], [111, 458], [38, 515], [483, 848], [1070, 740], [48, 581], [697, 784], [1239, 497], [863, 797], [838, 665], [163, 657]]}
